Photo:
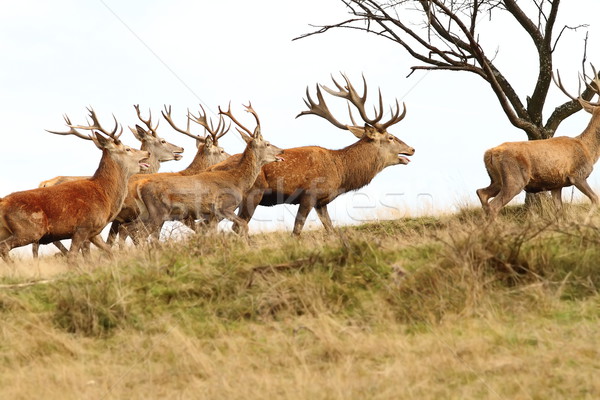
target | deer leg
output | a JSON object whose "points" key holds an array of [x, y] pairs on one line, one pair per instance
{"points": [[76, 243], [153, 226], [507, 193], [101, 244], [60, 247], [5, 247], [484, 194], [557, 198], [85, 249], [324, 217], [132, 229], [113, 232], [190, 222], [240, 222], [124, 232], [306, 204], [495, 172], [4, 254], [10, 243], [157, 214], [587, 190], [248, 207], [35, 249], [211, 224], [201, 225]]}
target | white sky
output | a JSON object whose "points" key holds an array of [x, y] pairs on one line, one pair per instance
{"points": [[61, 56]]}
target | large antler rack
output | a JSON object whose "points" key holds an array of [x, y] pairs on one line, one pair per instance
{"points": [[147, 122], [594, 81], [243, 131], [208, 125], [349, 93], [94, 126], [201, 120]]}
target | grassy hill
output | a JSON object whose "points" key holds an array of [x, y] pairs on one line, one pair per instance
{"points": [[428, 308]]}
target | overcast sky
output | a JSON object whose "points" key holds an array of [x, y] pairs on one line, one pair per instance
{"points": [[59, 57]]}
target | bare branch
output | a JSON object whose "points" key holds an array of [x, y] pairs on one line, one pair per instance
{"points": [[447, 39]]}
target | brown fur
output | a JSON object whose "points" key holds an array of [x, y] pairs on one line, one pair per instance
{"points": [[208, 153], [207, 195], [60, 179], [541, 165], [76, 210], [160, 151], [313, 176]]}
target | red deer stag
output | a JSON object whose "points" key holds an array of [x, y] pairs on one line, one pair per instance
{"points": [[160, 151], [210, 195], [76, 210], [313, 176], [208, 153], [542, 165]]}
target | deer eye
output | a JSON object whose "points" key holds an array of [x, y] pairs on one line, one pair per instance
{"points": [[163, 141], [268, 144]]}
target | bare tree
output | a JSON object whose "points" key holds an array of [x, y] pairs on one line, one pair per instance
{"points": [[444, 35]]}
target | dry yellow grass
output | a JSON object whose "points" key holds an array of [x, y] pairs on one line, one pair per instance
{"points": [[312, 358], [424, 308]]}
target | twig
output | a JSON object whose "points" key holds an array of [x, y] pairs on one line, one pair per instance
{"points": [[27, 284], [296, 264]]}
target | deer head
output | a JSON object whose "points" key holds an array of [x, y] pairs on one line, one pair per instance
{"points": [[263, 149], [132, 160], [392, 149], [207, 144], [158, 147]]}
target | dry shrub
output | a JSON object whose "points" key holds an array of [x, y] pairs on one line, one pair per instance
{"points": [[90, 306], [518, 261]]}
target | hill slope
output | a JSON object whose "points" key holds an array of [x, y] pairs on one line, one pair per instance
{"points": [[422, 308]]}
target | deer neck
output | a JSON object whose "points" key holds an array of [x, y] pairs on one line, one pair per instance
{"points": [[360, 162], [152, 160], [198, 164], [591, 136], [112, 179], [247, 169]]}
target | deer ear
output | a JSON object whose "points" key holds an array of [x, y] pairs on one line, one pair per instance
{"points": [[372, 133], [100, 141], [357, 131], [247, 138], [138, 132]]}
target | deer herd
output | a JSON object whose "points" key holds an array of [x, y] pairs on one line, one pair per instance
{"points": [[129, 193]]}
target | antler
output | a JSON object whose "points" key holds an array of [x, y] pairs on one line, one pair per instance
{"points": [[201, 119], [167, 115], [349, 93], [148, 122], [559, 84], [320, 109], [245, 132], [71, 131], [594, 81], [95, 126]]}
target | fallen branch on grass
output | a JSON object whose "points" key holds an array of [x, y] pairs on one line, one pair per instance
{"points": [[27, 284], [296, 264]]}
